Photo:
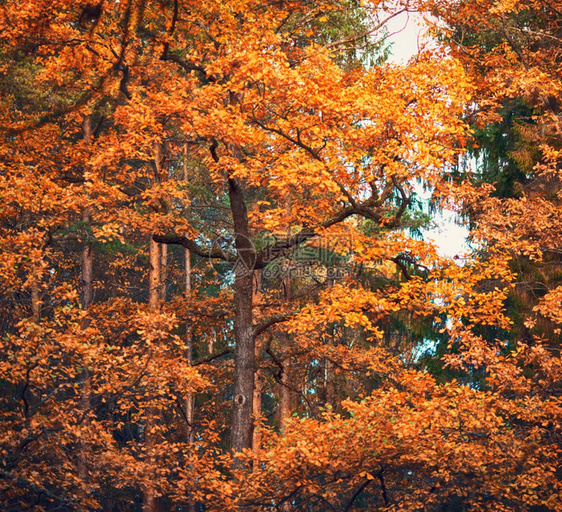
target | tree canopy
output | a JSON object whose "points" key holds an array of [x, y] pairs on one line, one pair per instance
{"points": [[214, 293]]}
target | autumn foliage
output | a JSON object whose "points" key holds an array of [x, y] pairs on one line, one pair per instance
{"points": [[214, 295]]}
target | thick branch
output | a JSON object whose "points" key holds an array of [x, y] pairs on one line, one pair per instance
{"points": [[405, 201], [193, 247], [512, 42], [356, 494], [188, 66], [279, 248], [297, 142], [400, 264], [383, 487], [272, 320], [278, 376]]}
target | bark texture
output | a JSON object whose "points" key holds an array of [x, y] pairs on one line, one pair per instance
{"points": [[244, 360]]}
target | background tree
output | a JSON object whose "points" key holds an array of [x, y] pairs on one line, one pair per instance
{"points": [[512, 51]]}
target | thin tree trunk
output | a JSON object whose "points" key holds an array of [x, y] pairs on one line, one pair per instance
{"points": [[330, 375], [36, 302], [256, 436], [87, 295], [83, 471], [190, 399], [285, 384], [155, 260], [156, 281], [256, 412], [36, 278], [149, 502], [211, 342], [244, 360], [87, 256], [87, 267], [330, 384], [285, 402], [163, 271], [284, 392]]}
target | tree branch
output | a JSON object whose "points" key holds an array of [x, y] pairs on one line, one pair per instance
{"points": [[400, 264], [193, 247], [279, 248], [383, 487], [212, 357], [356, 494], [357, 37], [272, 320], [297, 142]]}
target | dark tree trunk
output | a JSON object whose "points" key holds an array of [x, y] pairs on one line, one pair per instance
{"points": [[244, 360]]}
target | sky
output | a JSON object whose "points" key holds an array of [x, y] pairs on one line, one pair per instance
{"points": [[407, 35]]}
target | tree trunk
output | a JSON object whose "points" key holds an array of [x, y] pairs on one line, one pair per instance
{"points": [[149, 501], [285, 384], [330, 375], [190, 399], [87, 256], [256, 437], [285, 392], [87, 268], [36, 302], [256, 412], [155, 259], [244, 360], [87, 295], [163, 271], [330, 384]]}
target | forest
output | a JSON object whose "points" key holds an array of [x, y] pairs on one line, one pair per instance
{"points": [[217, 292]]}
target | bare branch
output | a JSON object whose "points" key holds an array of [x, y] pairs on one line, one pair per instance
{"points": [[356, 494], [272, 320], [212, 357], [193, 247]]}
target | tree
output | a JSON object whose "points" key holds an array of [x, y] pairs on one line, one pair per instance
{"points": [[513, 56], [254, 136]]}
